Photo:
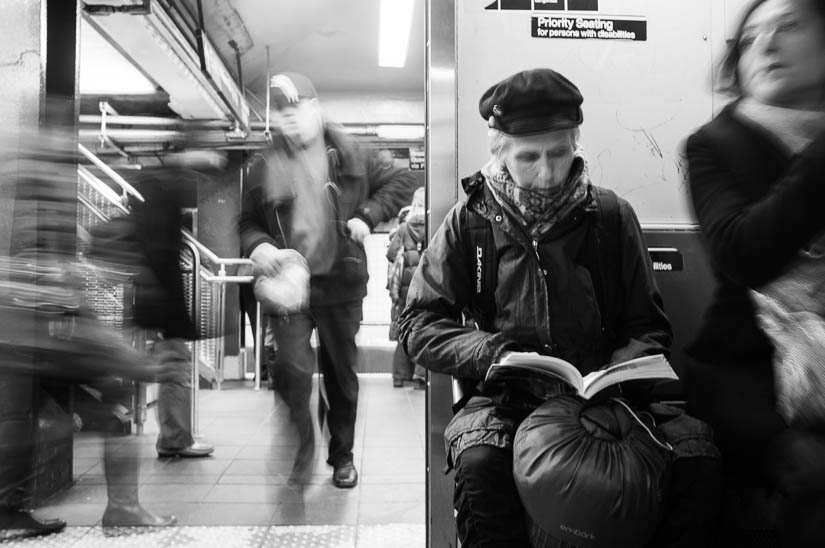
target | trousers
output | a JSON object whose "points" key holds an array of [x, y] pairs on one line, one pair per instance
{"points": [[337, 360], [489, 510], [174, 405], [403, 367]]}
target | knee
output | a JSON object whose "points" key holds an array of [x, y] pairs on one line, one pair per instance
{"points": [[483, 462]]}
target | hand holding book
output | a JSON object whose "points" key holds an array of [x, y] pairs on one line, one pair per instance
{"points": [[517, 364]]}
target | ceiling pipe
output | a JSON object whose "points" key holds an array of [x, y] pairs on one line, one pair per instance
{"points": [[371, 129], [108, 9]]}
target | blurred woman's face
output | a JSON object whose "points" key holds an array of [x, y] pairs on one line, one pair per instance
{"points": [[782, 59], [540, 162]]}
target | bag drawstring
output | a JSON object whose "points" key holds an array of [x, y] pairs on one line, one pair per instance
{"points": [[666, 446]]}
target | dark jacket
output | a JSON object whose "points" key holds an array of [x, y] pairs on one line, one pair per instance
{"points": [[545, 302], [148, 241], [757, 207], [364, 188], [409, 235]]}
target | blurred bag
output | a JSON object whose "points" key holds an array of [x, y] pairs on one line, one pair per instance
{"points": [[48, 330], [288, 290], [42, 286], [590, 474], [791, 312]]}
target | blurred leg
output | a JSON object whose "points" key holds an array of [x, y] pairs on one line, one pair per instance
{"points": [[124, 508], [401, 366], [270, 358], [175, 398], [16, 459], [420, 377], [16, 441], [292, 377]]}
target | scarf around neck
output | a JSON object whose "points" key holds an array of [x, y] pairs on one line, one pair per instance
{"points": [[794, 129], [538, 211]]}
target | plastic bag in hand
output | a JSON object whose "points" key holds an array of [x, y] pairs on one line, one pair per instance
{"points": [[287, 289]]}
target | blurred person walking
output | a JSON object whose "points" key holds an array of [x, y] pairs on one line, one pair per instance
{"points": [[756, 174], [149, 241], [317, 193], [49, 333]]}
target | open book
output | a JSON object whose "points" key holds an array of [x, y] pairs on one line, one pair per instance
{"points": [[520, 365]]}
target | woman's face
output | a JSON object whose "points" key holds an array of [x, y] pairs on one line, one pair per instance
{"points": [[540, 162], [782, 59]]}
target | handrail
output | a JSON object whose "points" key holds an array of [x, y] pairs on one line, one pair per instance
{"points": [[670, 227], [196, 314], [110, 172], [101, 187], [213, 258], [228, 279]]}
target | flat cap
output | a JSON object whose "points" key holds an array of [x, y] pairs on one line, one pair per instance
{"points": [[532, 101]]}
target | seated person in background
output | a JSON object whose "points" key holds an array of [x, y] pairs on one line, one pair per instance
{"points": [[757, 181], [403, 253], [556, 291]]}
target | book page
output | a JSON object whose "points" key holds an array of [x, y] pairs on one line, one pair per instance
{"points": [[517, 364], [646, 367]]}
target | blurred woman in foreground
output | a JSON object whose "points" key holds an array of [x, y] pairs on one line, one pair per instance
{"points": [[757, 179]]}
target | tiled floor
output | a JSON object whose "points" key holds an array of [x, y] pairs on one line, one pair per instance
{"points": [[240, 496]]}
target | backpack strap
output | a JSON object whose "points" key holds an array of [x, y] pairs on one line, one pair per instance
{"points": [[607, 259], [482, 262]]}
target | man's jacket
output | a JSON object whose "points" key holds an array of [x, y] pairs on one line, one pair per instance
{"points": [[545, 301], [363, 188]]}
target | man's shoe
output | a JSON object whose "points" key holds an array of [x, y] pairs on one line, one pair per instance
{"points": [[194, 451], [345, 475], [397, 383], [420, 384], [21, 524]]}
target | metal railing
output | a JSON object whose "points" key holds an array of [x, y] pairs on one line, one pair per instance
{"points": [[219, 281]]}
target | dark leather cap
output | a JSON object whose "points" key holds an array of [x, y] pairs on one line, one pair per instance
{"points": [[532, 101]]}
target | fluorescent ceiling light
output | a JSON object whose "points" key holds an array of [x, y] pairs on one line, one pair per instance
{"points": [[394, 32], [104, 71], [400, 132]]}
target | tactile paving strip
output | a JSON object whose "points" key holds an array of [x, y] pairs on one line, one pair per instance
{"points": [[67, 537], [290, 536], [311, 536], [401, 535]]}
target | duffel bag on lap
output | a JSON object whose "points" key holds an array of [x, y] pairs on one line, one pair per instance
{"points": [[590, 475]]}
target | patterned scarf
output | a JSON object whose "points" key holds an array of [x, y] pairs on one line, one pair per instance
{"points": [[538, 211]]}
